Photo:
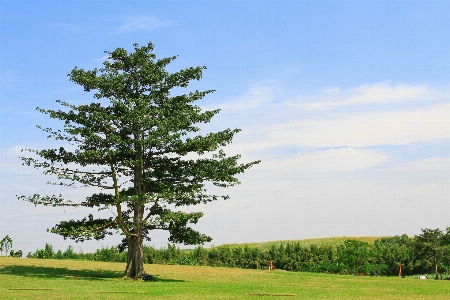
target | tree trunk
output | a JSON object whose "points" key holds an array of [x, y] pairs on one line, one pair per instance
{"points": [[436, 267], [135, 264]]}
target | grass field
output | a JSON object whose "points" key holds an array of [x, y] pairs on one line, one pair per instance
{"points": [[65, 279]]}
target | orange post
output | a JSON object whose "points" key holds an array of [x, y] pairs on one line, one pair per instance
{"points": [[271, 266], [400, 271]]}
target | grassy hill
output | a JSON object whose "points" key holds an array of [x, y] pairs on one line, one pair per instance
{"points": [[331, 241]]}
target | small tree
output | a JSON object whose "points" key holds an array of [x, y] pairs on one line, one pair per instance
{"points": [[6, 244], [18, 253], [48, 249], [429, 247], [136, 149]]}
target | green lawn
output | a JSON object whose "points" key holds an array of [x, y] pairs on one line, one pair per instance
{"points": [[65, 279]]}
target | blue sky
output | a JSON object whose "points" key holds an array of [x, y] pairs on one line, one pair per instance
{"points": [[347, 104]]}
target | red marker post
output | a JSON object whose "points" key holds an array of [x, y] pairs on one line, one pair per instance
{"points": [[271, 266]]}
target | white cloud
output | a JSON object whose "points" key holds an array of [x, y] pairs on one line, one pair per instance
{"points": [[427, 194], [321, 163], [381, 93], [141, 23], [369, 129], [267, 123], [429, 164]]}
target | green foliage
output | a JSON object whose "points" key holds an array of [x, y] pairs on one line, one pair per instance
{"points": [[430, 247], [46, 253], [354, 257], [108, 254], [390, 252], [13, 253], [69, 253], [49, 250]]}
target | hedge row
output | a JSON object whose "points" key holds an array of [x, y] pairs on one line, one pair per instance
{"points": [[352, 257]]}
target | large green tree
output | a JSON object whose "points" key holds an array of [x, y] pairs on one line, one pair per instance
{"points": [[430, 247], [134, 145], [393, 251]]}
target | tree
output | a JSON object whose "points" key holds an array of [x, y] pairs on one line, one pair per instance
{"points": [[429, 247], [393, 251], [48, 250], [446, 251], [355, 256], [135, 149], [6, 244]]}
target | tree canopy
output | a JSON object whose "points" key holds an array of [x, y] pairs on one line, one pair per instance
{"points": [[136, 146], [432, 245]]}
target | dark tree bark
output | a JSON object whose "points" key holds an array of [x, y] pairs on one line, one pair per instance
{"points": [[135, 264]]}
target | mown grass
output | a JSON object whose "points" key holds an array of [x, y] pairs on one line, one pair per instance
{"points": [[65, 279]]}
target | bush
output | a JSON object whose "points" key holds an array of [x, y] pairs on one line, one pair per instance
{"points": [[109, 254], [69, 254]]}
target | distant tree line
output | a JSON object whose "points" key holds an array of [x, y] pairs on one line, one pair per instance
{"points": [[426, 253]]}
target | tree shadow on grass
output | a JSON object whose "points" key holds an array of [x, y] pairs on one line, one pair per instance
{"points": [[52, 272], [83, 274], [167, 279]]}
